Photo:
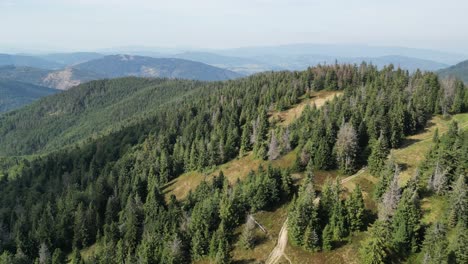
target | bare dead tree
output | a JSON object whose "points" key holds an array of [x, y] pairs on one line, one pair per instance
{"points": [[273, 149], [438, 180], [346, 147], [286, 141], [391, 197]]}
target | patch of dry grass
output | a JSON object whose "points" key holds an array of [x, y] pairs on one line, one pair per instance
{"points": [[272, 221], [286, 117], [415, 147], [232, 170]]}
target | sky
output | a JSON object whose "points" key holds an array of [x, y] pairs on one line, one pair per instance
{"points": [[80, 25]]}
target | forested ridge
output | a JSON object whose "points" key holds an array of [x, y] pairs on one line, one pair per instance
{"points": [[108, 190]]}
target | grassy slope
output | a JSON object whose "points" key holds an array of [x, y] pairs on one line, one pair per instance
{"points": [[239, 168], [411, 154]]}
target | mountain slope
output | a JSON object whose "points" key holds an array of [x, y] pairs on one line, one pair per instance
{"points": [[29, 61], [119, 180], [16, 94], [88, 109], [62, 79], [460, 71], [126, 65]]}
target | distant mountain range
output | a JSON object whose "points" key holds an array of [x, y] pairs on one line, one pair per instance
{"points": [[460, 71], [65, 70], [112, 66], [344, 51], [61, 79], [15, 94], [22, 83], [128, 65], [30, 61]]}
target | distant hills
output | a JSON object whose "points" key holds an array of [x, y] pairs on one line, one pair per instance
{"points": [[15, 94], [459, 70], [89, 109], [112, 66], [61, 79], [23, 84], [128, 65], [65, 70], [30, 61], [344, 51], [69, 59]]}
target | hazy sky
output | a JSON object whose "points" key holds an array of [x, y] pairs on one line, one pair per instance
{"points": [[95, 24]]}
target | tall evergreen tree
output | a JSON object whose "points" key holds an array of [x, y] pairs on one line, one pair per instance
{"points": [[378, 156]]}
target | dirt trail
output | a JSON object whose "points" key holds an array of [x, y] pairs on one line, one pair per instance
{"points": [[278, 251]]}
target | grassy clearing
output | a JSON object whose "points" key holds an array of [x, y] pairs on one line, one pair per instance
{"points": [[415, 147], [346, 253], [272, 221], [286, 117], [240, 167], [233, 170]]}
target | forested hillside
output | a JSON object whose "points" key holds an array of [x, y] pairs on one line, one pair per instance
{"points": [[114, 66], [16, 94], [108, 191], [91, 109], [459, 71]]}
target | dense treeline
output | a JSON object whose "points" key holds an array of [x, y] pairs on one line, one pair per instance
{"points": [[109, 190], [386, 104], [318, 223], [400, 231]]}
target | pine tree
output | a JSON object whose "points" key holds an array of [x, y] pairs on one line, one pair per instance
{"points": [[247, 239], [459, 201], [327, 236], [58, 257], [245, 145], [375, 248], [260, 135], [378, 156], [80, 228], [435, 245], [406, 223], [461, 244], [311, 240], [223, 255], [286, 183], [164, 168], [355, 208], [76, 257]]}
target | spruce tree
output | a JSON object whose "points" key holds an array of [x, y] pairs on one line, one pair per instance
{"points": [[327, 237], [375, 248], [76, 257], [247, 238], [378, 156], [435, 245], [460, 248], [355, 209], [58, 257]]}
